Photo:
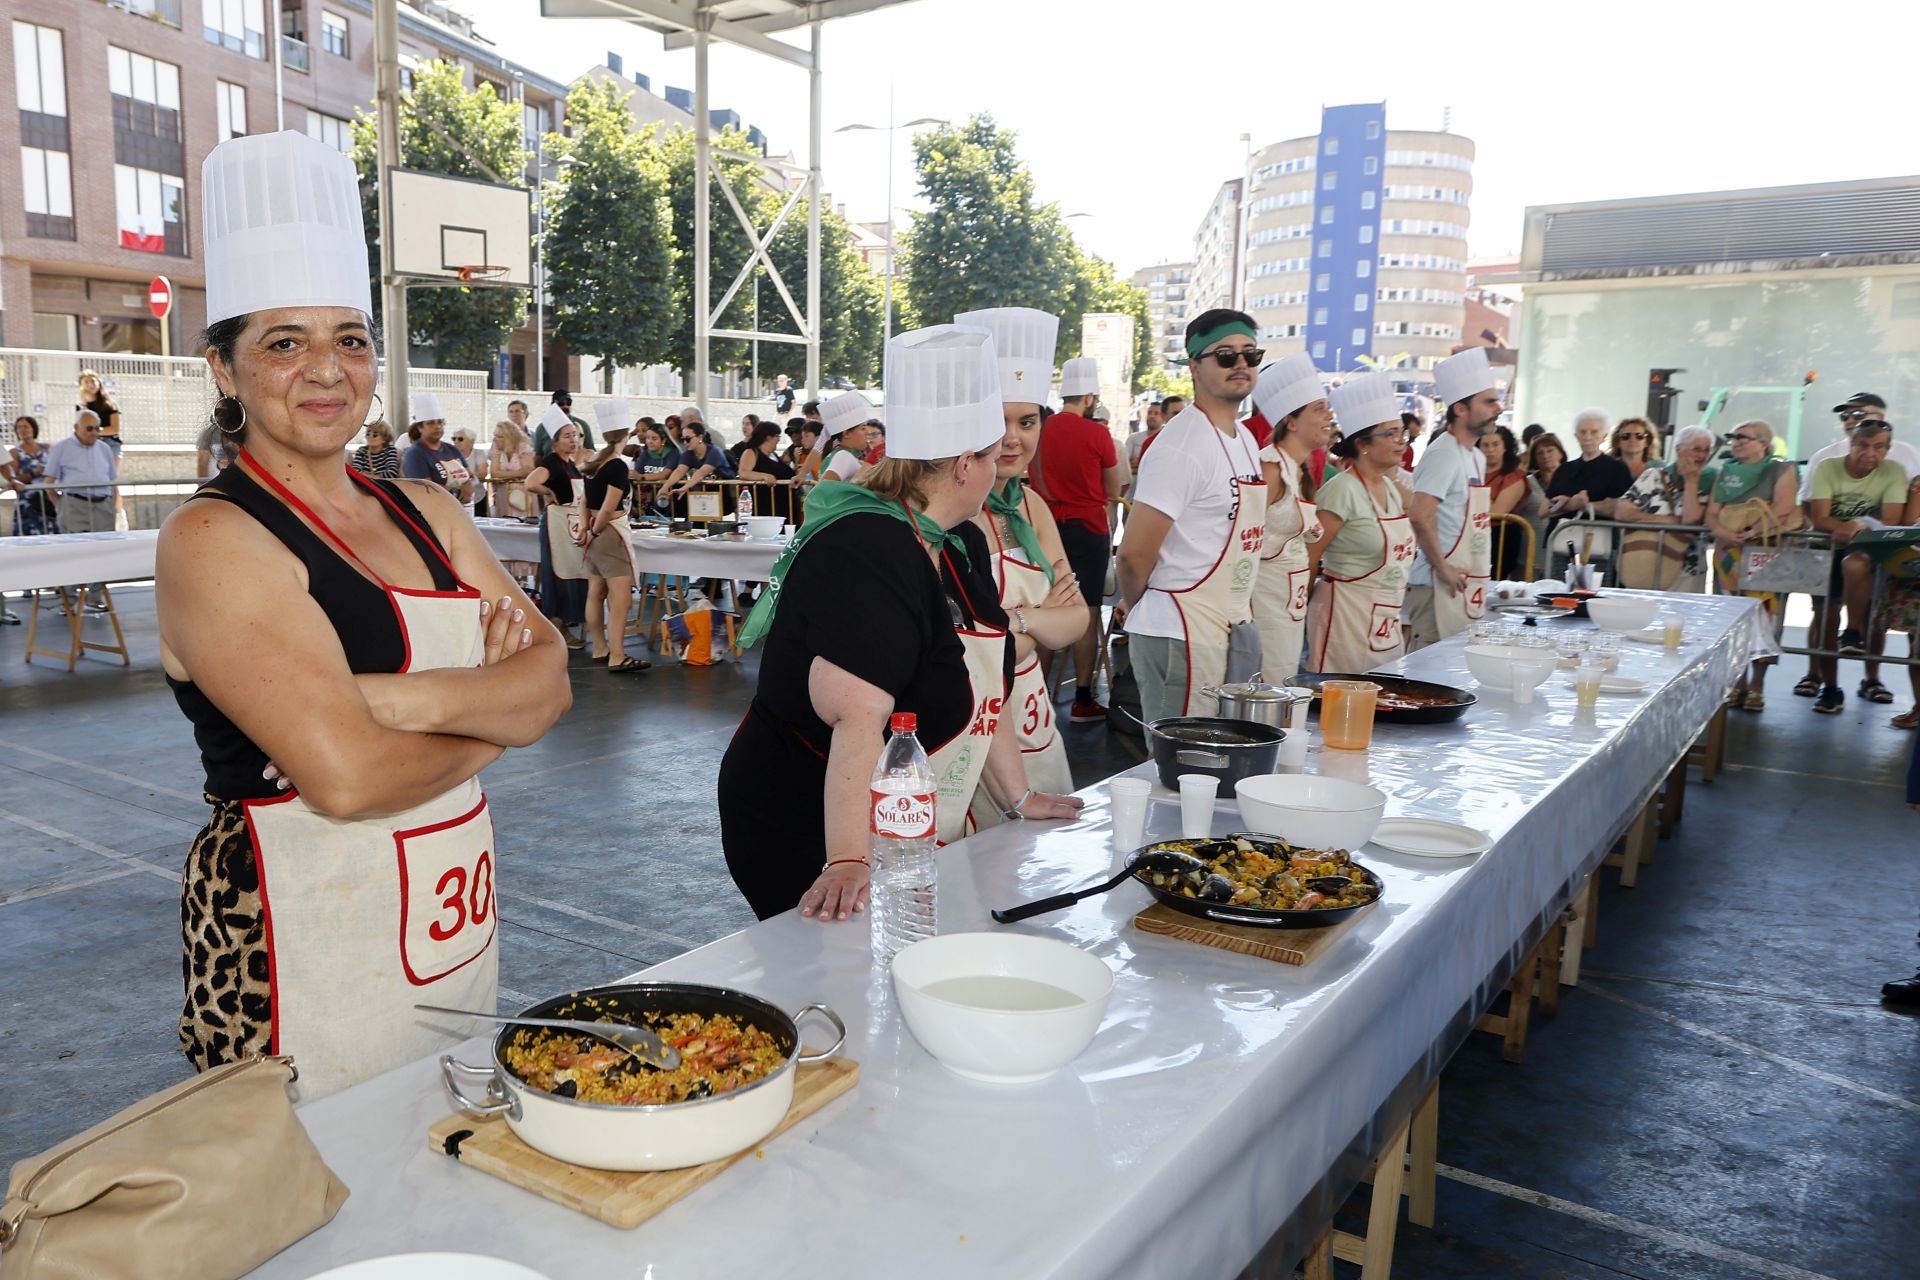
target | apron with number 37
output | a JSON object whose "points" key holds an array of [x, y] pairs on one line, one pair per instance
{"points": [[368, 917], [1353, 624]]}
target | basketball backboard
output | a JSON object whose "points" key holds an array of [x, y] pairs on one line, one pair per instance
{"points": [[442, 223]]}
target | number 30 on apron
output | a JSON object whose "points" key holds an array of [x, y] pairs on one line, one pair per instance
{"points": [[366, 918]]}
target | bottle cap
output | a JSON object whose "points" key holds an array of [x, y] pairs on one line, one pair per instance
{"points": [[904, 722]]}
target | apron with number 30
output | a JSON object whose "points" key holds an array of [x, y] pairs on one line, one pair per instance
{"points": [[1353, 624], [368, 917], [959, 763], [1455, 611], [1031, 704]]}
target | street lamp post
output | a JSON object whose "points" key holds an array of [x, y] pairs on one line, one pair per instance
{"points": [[890, 128]]}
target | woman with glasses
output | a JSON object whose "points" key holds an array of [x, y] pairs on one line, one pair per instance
{"points": [[1635, 443], [1752, 500], [1674, 493], [1367, 543], [1291, 397], [1510, 492]]}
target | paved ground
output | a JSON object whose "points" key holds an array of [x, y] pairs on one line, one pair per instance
{"points": [[1722, 1097]]}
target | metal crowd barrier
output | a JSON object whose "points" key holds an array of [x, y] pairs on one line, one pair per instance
{"points": [[145, 503]]}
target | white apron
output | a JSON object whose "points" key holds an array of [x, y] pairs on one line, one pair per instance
{"points": [[1353, 624], [1211, 607], [1041, 748], [366, 918], [1454, 612], [959, 762], [1280, 590]]}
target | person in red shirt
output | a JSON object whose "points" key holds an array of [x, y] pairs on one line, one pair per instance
{"points": [[1079, 473], [877, 443], [1411, 421]]}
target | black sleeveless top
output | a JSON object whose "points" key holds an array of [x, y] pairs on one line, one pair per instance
{"points": [[361, 614]]}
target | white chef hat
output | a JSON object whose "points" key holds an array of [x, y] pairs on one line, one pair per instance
{"points": [[612, 415], [943, 392], [280, 225], [1025, 339], [424, 406], [1364, 402], [554, 418], [1080, 376], [1286, 385], [844, 412], [1462, 376]]}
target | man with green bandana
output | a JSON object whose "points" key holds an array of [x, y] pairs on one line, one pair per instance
{"points": [[1192, 546]]}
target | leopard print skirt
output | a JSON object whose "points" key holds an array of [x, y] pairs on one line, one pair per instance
{"points": [[228, 1014]]}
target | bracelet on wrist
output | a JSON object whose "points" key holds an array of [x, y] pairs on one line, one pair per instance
{"points": [[1012, 812], [839, 862]]}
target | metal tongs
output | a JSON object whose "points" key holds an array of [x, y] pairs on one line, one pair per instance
{"points": [[641, 1042]]}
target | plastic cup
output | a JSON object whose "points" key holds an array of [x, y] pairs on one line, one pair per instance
{"points": [[1127, 800], [1671, 630], [1605, 650], [1197, 794], [1346, 713], [1586, 685]]}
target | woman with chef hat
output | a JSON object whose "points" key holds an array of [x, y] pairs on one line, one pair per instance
{"points": [[884, 601], [843, 435], [1038, 590], [350, 655], [1367, 544], [1290, 397]]}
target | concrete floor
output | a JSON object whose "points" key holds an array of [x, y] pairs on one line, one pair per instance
{"points": [[1722, 1097]]}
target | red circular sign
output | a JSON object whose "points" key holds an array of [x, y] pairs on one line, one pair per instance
{"points": [[160, 297]]}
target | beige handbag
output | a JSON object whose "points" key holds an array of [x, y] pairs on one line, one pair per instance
{"points": [[203, 1181]]}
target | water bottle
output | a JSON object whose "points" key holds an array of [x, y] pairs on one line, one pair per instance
{"points": [[746, 503], [901, 842]]}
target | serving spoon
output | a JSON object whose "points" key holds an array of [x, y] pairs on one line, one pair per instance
{"points": [[641, 1042], [1168, 860]]}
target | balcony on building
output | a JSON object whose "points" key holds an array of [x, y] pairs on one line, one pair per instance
{"points": [[165, 12]]}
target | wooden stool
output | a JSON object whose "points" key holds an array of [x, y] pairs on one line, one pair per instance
{"points": [[1581, 932], [1636, 847], [73, 601], [1538, 977], [1405, 1167], [1673, 798], [1710, 751]]}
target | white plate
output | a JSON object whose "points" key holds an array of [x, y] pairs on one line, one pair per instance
{"points": [[1430, 838], [1652, 635], [432, 1266], [1617, 684]]}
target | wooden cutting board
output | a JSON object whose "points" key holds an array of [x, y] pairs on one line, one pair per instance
{"points": [[1288, 946], [622, 1200]]}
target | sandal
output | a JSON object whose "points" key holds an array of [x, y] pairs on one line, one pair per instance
{"points": [[1808, 687], [1754, 701], [1907, 719], [1873, 691], [630, 664]]}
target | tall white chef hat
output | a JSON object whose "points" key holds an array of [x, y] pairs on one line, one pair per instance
{"points": [[424, 406], [1286, 385], [612, 415], [553, 419], [844, 412], [943, 392], [1365, 402], [1080, 376], [280, 223], [1025, 339], [1462, 376]]}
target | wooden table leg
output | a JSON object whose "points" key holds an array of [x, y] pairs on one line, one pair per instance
{"points": [[1374, 1251], [1318, 1264], [1673, 799], [1552, 961], [1576, 937], [1716, 746], [1422, 1154]]}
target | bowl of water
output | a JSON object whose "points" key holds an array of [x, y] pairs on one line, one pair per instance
{"points": [[1006, 1008]]}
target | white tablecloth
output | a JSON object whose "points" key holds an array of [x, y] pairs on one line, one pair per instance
{"points": [[749, 560], [1210, 1107], [66, 559]]}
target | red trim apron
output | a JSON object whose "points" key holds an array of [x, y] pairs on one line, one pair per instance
{"points": [[1472, 550], [1353, 624], [366, 918], [1041, 748], [1280, 591], [1222, 599]]}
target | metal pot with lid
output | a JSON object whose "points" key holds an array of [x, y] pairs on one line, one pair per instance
{"points": [[1268, 704]]}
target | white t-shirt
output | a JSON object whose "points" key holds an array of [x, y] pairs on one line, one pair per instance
{"points": [[1445, 469], [1899, 451], [1188, 477], [842, 463]]}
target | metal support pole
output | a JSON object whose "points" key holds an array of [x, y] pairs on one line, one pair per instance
{"points": [[886, 303], [539, 261], [702, 233], [279, 73], [393, 290], [814, 183]]}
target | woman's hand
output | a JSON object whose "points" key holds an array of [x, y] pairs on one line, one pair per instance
{"points": [[506, 630], [1041, 807], [841, 890], [273, 774], [1066, 588]]}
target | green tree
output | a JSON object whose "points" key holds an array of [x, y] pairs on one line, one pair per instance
{"points": [[1097, 289], [609, 237], [447, 128], [1166, 383], [984, 240], [852, 323], [728, 242]]}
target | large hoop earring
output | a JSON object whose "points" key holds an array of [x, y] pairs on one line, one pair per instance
{"points": [[379, 414], [229, 415]]}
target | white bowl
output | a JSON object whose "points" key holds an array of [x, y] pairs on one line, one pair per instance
{"points": [[432, 1266], [1616, 613], [969, 1021], [765, 526], [1311, 811], [1502, 669]]}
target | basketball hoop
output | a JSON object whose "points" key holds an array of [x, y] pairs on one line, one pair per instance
{"points": [[471, 274]]}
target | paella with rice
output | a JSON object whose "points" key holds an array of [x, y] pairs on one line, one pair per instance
{"points": [[718, 1054]]}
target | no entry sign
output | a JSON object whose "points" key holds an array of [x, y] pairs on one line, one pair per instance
{"points": [[160, 297]]}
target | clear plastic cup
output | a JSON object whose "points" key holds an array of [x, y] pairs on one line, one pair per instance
{"points": [[1605, 650], [1672, 629], [1127, 801], [1197, 794], [1346, 713], [1586, 685]]}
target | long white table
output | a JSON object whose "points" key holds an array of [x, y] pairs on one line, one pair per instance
{"points": [[748, 560], [52, 560], [1225, 1100]]}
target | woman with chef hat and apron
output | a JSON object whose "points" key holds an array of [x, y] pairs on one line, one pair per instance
{"points": [[350, 654], [1367, 545], [884, 601], [1290, 396], [843, 435], [1038, 590]]}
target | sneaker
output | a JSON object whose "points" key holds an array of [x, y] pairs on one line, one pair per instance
{"points": [[1852, 642], [1902, 993], [1087, 711], [1831, 701]]}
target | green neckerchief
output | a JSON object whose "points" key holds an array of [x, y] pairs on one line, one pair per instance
{"points": [[835, 452], [826, 504], [1008, 505], [1739, 480]]}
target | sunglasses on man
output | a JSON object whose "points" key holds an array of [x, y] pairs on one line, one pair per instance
{"points": [[1226, 359], [1854, 415]]}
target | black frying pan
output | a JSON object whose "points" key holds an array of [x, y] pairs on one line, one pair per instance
{"points": [[1459, 699], [1214, 849]]}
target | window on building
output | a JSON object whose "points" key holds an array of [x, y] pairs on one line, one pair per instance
{"points": [[1360, 301], [1325, 250], [46, 179], [230, 104], [332, 130], [146, 99], [1366, 199], [1363, 268], [1366, 235], [152, 210], [1370, 166], [39, 69], [1319, 315], [1319, 351], [1326, 181], [1359, 338], [1333, 146], [1321, 283], [1326, 216], [1373, 130], [240, 25], [333, 34]]}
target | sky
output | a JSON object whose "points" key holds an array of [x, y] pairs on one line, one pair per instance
{"points": [[1131, 112]]}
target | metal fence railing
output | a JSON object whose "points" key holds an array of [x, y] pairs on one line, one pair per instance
{"points": [[145, 504]]}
